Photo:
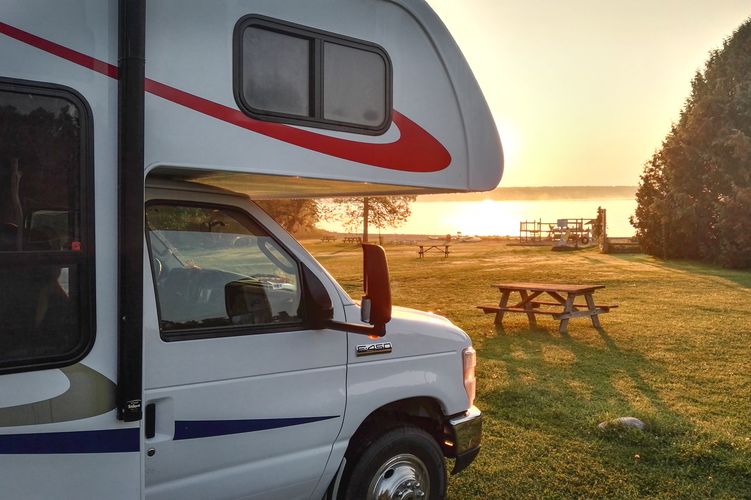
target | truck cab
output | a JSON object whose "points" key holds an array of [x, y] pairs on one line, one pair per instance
{"points": [[235, 328]]}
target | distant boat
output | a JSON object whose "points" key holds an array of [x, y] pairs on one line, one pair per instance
{"points": [[471, 239]]}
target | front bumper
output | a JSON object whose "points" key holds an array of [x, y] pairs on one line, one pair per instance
{"points": [[467, 432]]}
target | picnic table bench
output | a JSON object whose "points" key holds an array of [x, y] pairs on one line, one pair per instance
{"points": [[352, 239], [559, 307], [324, 239], [439, 248]]}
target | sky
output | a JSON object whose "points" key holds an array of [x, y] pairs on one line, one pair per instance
{"points": [[584, 91]]}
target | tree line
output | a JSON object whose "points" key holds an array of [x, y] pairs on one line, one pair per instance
{"points": [[354, 213], [694, 198]]}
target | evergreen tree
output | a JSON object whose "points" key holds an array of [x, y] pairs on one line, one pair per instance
{"points": [[694, 197]]}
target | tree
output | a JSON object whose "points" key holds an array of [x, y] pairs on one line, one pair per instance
{"points": [[293, 215], [381, 211], [693, 199]]}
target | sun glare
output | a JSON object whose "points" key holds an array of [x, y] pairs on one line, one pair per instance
{"points": [[511, 141]]}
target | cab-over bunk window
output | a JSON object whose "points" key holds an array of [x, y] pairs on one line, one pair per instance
{"points": [[294, 74], [46, 245]]}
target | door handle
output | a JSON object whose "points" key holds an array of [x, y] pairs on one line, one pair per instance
{"points": [[150, 422], [159, 420]]}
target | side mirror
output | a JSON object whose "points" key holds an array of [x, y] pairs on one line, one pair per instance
{"points": [[376, 303], [319, 311]]}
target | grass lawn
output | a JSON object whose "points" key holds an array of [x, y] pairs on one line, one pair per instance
{"points": [[676, 354]]}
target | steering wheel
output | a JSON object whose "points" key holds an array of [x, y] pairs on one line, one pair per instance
{"points": [[158, 267], [267, 248]]}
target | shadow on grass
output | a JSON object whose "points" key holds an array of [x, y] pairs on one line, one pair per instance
{"points": [[561, 387], [578, 384], [742, 278]]}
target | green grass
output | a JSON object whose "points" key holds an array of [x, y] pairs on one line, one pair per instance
{"points": [[676, 354]]}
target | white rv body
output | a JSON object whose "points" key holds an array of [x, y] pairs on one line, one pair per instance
{"points": [[229, 412]]}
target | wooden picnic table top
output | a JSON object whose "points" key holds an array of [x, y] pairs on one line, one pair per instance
{"points": [[545, 287], [531, 306]]}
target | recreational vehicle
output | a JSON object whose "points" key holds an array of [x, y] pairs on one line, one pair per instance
{"points": [[161, 337]]}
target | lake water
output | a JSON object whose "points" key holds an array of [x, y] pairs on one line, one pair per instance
{"points": [[501, 218]]}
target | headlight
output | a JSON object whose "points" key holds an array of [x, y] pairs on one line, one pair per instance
{"points": [[469, 359]]}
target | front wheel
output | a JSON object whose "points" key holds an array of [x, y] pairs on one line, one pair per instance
{"points": [[403, 464]]}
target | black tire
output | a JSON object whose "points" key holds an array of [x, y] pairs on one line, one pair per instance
{"points": [[404, 458], [584, 240]]}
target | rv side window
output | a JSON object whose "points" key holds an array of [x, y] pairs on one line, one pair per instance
{"points": [[293, 74], [354, 85], [45, 242], [277, 79], [219, 273]]}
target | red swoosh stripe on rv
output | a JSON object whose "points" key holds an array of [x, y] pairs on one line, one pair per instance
{"points": [[415, 150]]}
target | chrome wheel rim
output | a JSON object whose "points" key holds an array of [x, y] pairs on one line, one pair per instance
{"points": [[403, 477]]}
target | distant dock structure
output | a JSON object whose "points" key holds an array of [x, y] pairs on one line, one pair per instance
{"points": [[609, 244], [530, 231], [570, 230]]}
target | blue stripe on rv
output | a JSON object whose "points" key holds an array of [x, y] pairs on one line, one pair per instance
{"points": [[102, 441], [128, 440], [193, 429]]}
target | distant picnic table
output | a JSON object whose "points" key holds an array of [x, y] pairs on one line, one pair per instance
{"points": [[444, 249], [324, 239], [559, 307], [352, 239]]}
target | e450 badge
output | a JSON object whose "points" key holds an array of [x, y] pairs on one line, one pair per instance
{"points": [[369, 349]]}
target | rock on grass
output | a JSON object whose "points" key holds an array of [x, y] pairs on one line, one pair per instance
{"points": [[622, 422]]}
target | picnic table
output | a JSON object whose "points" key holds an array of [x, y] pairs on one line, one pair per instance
{"points": [[326, 238], [352, 239], [439, 248], [561, 305]]}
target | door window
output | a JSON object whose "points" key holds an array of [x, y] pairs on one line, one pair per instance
{"points": [[217, 272]]}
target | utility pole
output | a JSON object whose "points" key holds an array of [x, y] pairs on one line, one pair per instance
{"points": [[365, 210]]}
